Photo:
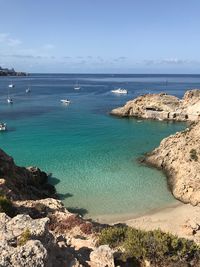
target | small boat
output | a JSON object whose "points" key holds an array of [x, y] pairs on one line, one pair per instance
{"points": [[11, 85], [3, 126], [28, 90], [120, 91], [77, 86], [9, 100], [65, 101]]}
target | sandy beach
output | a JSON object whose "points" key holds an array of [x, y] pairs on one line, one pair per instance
{"points": [[181, 220]]}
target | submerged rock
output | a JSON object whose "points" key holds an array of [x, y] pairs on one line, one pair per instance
{"points": [[163, 107]]}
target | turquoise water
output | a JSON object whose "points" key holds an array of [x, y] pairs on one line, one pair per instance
{"points": [[92, 155]]}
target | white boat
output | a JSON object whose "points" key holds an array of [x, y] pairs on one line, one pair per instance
{"points": [[11, 85], [77, 86], [9, 100], [65, 101], [28, 90], [3, 126], [120, 91]]}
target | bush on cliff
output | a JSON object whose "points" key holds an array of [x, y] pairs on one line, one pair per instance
{"points": [[155, 246], [193, 154], [6, 206], [25, 236]]}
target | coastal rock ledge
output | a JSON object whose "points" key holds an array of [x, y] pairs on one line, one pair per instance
{"points": [[179, 157], [163, 107]]}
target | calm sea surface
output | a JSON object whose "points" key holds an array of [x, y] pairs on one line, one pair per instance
{"points": [[92, 155]]}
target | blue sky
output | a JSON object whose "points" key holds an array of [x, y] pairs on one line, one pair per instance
{"points": [[100, 36]]}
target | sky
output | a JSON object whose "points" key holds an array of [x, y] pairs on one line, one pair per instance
{"points": [[100, 36]]}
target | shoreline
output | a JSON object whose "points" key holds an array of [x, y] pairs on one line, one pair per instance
{"points": [[178, 219], [125, 217]]}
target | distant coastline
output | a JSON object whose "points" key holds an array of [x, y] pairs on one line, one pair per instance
{"points": [[11, 72]]}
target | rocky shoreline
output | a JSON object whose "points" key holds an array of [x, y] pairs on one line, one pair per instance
{"points": [[162, 107], [11, 72], [178, 155]]}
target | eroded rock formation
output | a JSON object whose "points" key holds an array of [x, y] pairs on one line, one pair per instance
{"points": [[179, 156], [163, 107]]}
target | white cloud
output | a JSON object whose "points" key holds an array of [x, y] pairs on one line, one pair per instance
{"points": [[7, 40], [170, 61], [48, 46]]}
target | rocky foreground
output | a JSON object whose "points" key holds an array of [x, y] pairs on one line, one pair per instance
{"points": [[163, 107]]}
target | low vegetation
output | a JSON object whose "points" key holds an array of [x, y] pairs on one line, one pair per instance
{"points": [[193, 154], [157, 247], [6, 206], [69, 223], [25, 236]]}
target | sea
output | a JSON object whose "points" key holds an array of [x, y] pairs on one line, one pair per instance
{"points": [[92, 156]]}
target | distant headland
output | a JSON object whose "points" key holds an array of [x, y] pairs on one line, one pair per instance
{"points": [[11, 72]]}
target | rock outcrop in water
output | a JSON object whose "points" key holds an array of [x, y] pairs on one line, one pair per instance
{"points": [[163, 107], [179, 156]]}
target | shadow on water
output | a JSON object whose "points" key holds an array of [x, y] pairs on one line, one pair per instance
{"points": [[64, 196], [80, 211], [53, 180], [15, 114]]}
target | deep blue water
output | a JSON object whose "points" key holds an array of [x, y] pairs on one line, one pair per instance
{"points": [[92, 155]]}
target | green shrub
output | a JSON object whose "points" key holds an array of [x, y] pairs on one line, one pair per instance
{"points": [[6, 206], [155, 246], [25, 236], [113, 236], [193, 154]]}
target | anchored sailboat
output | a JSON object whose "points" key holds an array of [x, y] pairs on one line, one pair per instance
{"points": [[77, 86], [9, 99]]}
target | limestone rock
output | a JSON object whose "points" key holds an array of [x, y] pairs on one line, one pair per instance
{"points": [[33, 250], [31, 254], [179, 156], [102, 257], [163, 107]]}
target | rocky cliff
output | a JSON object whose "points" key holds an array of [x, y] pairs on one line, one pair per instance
{"points": [[163, 107], [179, 157], [19, 183]]}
